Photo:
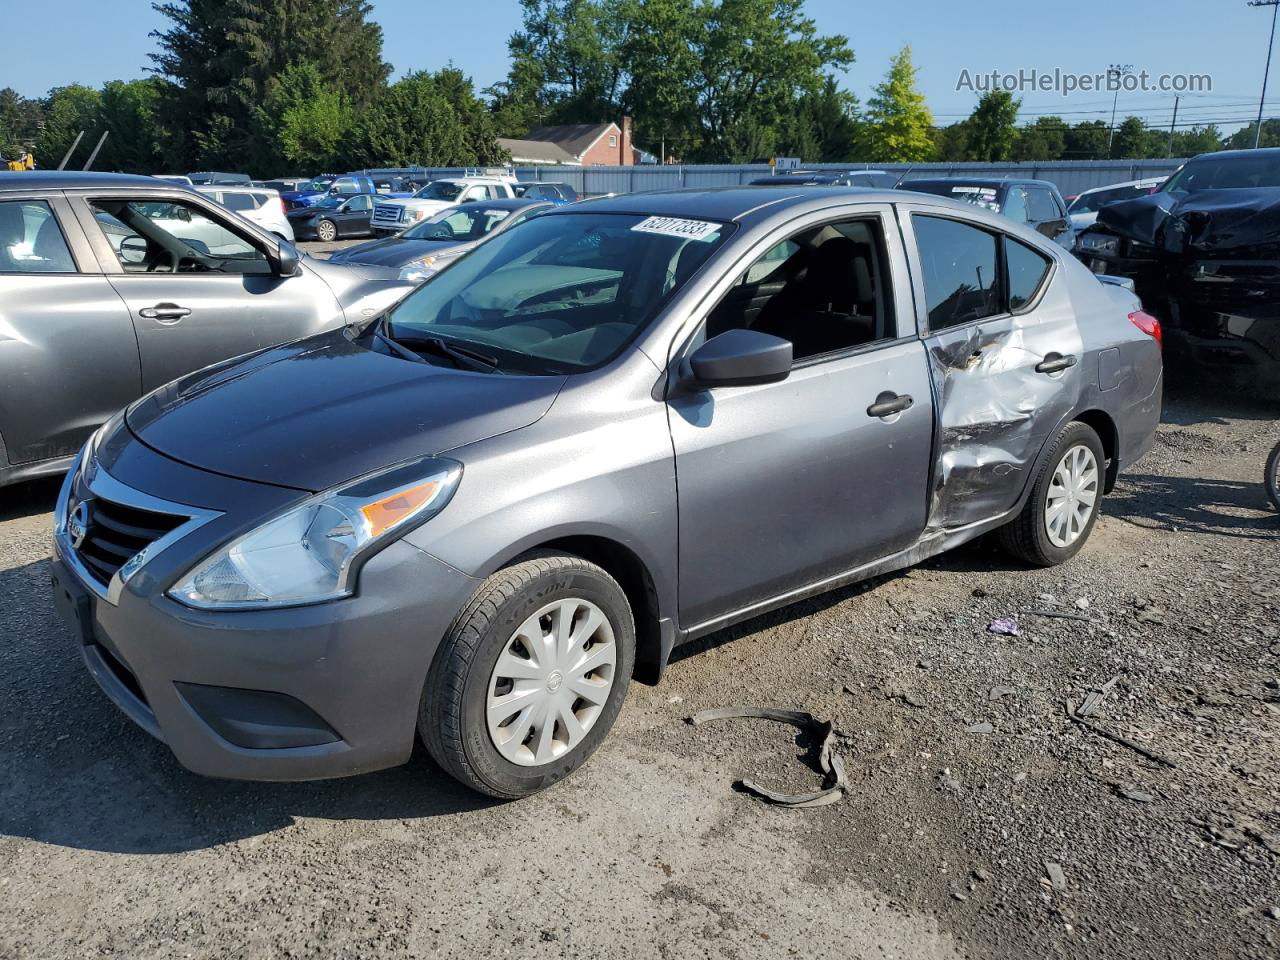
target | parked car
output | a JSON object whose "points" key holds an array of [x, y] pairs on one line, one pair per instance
{"points": [[398, 187], [1083, 208], [392, 216], [114, 285], [1036, 203], [317, 190], [606, 431], [283, 185], [1203, 253], [258, 205], [549, 190], [428, 247], [206, 178], [334, 217], [816, 178]]}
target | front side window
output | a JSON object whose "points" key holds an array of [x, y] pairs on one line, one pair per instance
{"points": [[359, 204], [961, 282], [556, 294], [166, 236], [31, 240], [825, 289]]}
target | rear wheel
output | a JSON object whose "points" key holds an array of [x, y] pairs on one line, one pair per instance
{"points": [[530, 677], [326, 231], [1064, 503]]}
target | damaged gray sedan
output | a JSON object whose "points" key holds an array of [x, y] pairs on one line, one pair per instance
{"points": [[612, 429]]}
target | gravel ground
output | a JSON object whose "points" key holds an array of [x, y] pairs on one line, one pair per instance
{"points": [[981, 822]]}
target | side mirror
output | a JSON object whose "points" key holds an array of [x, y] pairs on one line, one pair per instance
{"points": [[288, 261], [738, 358]]}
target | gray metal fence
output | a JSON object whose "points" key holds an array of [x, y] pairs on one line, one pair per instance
{"points": [[1070, 176]]}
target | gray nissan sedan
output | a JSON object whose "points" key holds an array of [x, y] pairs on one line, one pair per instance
{"points": [[612, 429]]}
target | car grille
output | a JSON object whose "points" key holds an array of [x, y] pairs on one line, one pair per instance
{"points": [[116, 533], [387, 211]]}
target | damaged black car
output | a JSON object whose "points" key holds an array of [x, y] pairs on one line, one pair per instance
{"points": [[1204, 255]]}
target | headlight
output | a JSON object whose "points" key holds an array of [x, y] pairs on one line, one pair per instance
{"points": [[312, 552], [1099, 243], [419, 270], [419, 214]]}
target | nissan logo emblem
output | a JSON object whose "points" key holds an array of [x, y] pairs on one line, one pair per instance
{"points": [[78, 523]]}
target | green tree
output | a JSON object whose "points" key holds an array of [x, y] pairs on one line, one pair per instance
{"points": [[993, 127], [1086, 140], [479, 127], [823, 126], [1133, 141], [127, 109], [412, 123], [221, 59], [302, 123], [1046, 139], [1207, 139], [1242, 139], [951, 143], [19, 122], [899, 124], [68, 111], [576, 45]]}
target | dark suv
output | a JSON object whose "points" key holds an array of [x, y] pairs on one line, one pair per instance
{"points": [[1037, 203]]}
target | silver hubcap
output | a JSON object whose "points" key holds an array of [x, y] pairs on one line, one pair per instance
{"points": [[1073, 493], [551, 682], [327, 232]]}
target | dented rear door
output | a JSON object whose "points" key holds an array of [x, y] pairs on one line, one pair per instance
{"points": [[1004, 377]]}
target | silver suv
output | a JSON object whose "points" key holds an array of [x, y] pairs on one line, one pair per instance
{"points": [[113, 285]]}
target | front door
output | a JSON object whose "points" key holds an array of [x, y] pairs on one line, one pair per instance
{"points": [[353, 218], [199, 289], [784, 485]]}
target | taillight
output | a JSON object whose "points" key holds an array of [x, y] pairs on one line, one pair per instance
{"points": [[1148, 325], [284, 207]]}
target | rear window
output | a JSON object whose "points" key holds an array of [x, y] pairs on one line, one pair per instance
{"points": [[986, 197]]}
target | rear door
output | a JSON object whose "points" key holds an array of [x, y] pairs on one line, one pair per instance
{"points": [[201, 287], [68, 355], [1004, 353], [785, 485]]}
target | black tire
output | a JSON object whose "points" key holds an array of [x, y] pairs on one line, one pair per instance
{"points": [[1027, 536], [1273, 477], [451, 718], [326, 231]]}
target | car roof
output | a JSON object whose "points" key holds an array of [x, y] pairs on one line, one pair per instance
{"points": [[1262, 153], [74, 179], [724, 203], [979, 182], [233, 188]]}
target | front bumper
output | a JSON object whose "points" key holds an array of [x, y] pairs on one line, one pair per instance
{"points": [[301, 693]]}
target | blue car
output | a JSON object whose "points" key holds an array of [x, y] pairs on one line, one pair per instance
{"points": [[551, 191], [326, 185]]}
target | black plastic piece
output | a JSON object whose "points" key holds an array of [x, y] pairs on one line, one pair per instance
{"points": [[257, 719], [738, 358]]}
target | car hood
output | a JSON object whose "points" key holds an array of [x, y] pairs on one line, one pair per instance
{"points": [[1242, 223], [395, 251], [318, 412]]}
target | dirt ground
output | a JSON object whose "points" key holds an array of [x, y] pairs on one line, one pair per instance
{"points": [[981, 821]]}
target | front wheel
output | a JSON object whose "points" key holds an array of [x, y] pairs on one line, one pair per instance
{"points": [[1064, 503], [530, 677], [326, 231], [1273, 477]]}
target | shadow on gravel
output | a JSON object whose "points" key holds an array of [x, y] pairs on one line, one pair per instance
{"points": [[1222, 507], [76, 773], [29, 498]]}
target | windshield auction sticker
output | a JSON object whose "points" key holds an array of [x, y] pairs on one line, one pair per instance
{"points": [[675, 227]]}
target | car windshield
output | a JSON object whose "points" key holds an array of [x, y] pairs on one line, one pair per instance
{"points": [[458, 226], [557, 294], [439, 190], [979, 196], [1226, 173], [318, 186]]}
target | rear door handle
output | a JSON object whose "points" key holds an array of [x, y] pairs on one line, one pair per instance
{"points": [[889, 403], [164, 312], [1055, 363]]}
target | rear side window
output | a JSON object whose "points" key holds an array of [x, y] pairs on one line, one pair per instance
{"points": [[961, 282], [31, 240], [1027, 270], [567, 192], [1015, 205], [239, 201]]}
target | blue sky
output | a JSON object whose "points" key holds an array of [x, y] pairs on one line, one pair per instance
{"points": [[1223, 38]]}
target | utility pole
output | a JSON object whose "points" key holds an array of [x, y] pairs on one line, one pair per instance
{"points": [[1173, 124], [1275, 8], [1121, 70]]}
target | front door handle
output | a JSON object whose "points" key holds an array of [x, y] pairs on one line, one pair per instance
{"points": [[1055, 363], [889, 403], [164, 312]]}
